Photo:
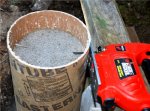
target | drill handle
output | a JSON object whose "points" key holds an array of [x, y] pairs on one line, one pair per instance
{"points": [[146, 68], [142, 57]]}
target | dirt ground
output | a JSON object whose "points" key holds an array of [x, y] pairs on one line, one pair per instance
{"points": [[5, 77], [134, 13]]}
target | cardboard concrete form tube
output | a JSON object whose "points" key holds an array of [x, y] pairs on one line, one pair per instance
{"points": [[48, 88]]}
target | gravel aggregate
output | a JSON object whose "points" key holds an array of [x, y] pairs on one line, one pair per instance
{"points": [[49, 48]]}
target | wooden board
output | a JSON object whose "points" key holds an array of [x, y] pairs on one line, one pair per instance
{"points": [[104, 22]]}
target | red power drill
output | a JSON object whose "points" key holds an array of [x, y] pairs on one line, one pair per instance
{"points": [[117, 79]]}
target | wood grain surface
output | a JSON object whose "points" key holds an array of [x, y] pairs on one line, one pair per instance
{"points": [[104, 22]]}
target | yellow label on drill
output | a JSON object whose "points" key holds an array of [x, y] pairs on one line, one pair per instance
{"points": [[125, 67]]}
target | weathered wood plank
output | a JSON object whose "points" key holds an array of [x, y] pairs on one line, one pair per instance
{"points": [[104, 22]]}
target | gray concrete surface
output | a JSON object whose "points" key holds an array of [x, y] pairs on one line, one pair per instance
{"points": [[48, 48]]}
